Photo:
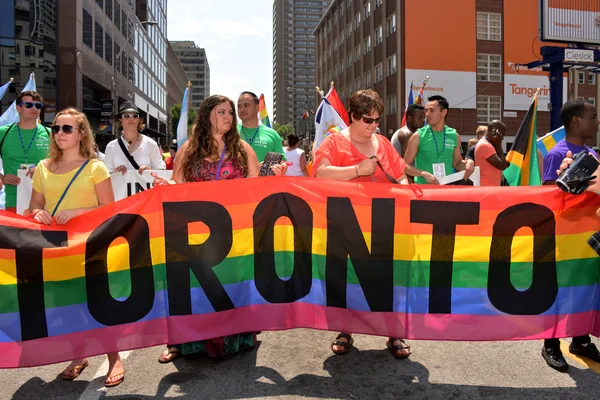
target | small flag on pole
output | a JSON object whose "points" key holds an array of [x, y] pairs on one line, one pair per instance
{"points": [[327, 120], [549, 140], [262, 111], [4, 88], [182, 126], [11, 115], [408, 103]]}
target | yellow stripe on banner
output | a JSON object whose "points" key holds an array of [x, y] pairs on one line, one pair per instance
{"points": [[406, 248]]}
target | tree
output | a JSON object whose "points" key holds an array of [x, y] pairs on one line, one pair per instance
{"points": [[283, 130], [176, 113]]}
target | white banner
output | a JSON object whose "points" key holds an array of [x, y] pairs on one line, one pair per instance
{"points": [[519, 90], [123, 185], [458, 87]]}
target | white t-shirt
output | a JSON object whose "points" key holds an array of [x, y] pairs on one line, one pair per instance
{"points": [[147, 153], [293, 156]]}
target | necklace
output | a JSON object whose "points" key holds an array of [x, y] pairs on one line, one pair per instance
{"points": [[133, 144]]}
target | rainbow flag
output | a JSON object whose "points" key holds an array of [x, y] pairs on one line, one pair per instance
{"points": [[523, 157], [262, 111], [549, 140], [408, 103], [201, 260]]}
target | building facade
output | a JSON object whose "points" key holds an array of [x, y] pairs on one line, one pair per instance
{"points": [[294, 59], [177, 80], [385, 46], [195, 63], [28, 32]]}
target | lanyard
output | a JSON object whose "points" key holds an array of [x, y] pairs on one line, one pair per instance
{"points": [[253, 137], [437, 149], [23, 143], [220, 163]]}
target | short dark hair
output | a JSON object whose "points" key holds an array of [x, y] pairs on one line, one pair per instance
{"points": [[165, 148], [444, 105], [292, 139], [572, 109], [173, 147], [253, 95], [363, 102], [413, 108], [35, 96]]}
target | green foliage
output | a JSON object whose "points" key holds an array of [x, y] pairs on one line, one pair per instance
{"points": [[283, 130], [175, 114]]}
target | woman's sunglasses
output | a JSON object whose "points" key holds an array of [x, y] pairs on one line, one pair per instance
{"points": [[29, 104], [127, 116], [369, 120], [68, 129]]}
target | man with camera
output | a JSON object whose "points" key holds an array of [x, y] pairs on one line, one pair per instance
{"points": [[581, 122]]}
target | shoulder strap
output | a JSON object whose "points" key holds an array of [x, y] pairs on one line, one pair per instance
{"points": [[129, 156], [5, 135], [69, 185]]}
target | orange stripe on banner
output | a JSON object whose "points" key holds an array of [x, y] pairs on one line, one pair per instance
{"points": [[575, 5]]}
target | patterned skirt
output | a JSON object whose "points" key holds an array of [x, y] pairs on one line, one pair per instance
{"points": [[219, 347]]}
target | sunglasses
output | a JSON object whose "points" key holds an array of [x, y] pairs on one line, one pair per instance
{"points": [[127, 116], [29, 104], [68, 129], [369, 120]]}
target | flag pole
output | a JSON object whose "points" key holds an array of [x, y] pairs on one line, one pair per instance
{"points": [[189, 99], [425, 83]]}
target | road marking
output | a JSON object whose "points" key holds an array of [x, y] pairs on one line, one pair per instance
{"points": [[96, 388], [584, 361]]}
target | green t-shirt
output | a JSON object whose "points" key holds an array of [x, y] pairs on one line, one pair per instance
{"points": [[14, 153], [265, 140], [429, 154]]}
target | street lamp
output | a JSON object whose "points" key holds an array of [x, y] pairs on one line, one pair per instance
{"points": [[118, 60]]}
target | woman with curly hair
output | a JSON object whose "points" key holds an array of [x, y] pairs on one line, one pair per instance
{"points": [[214, 151], [69, 183]]}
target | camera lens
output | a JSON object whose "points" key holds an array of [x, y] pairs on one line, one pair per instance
{"points": [[594, 242]]}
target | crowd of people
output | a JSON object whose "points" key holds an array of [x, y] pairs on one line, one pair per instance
{"points": [[70, 177]]}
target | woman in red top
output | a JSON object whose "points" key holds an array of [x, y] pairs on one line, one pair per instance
{"points": [[357, 154]]}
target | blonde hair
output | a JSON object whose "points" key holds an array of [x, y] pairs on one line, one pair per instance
{"points": [[87, 146], [481, 130]]}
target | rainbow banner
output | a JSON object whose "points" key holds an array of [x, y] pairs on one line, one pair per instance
{"points": [[188, 262]]}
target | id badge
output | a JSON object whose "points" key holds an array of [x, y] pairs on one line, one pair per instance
{"points": [[26, 167], [439, 170]]}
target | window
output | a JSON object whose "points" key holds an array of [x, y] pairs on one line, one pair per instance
{"points": [[117, 15], [357, 19], [378, 3], [489, 68], [349, 59], [367, 9], [392, 104], [108, 8], [489, 26], [99, 36], [343, 62], [391, 24], [349, 31], [108, 48], [358, 83], [391, 65], [368, 79], [378, 35], [488, 108], [592, 100], [87, 29], [591, 78], [367, 44], [357, 53], [378, 72], [580, 77]]}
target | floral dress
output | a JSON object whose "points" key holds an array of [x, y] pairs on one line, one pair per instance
{"points": [[225, 345]]}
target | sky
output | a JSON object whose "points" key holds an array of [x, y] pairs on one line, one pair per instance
{"points": [[237, 36]]}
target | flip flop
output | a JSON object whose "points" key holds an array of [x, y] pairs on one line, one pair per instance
{"points": [[69, 375], [394, 349], [172, 354], [345, 346], [114, 383]]}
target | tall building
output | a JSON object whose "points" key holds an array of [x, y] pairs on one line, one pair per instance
{"points": [[177, 81], [195, 63], [28, 32], [386, 45], [294, 59]]}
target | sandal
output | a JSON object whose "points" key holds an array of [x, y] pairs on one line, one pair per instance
{"points": [[110, 382], [71, 374], [169, 355], [396, 349], [345, 346]]}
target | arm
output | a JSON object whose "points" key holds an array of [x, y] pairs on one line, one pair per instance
{"points": [[403, 138], [37, 210], [498, 159], [403, 180], [253, 165], [156, 159], [365, 168], [459, 164], [303, 165], [409, 158], [105, 195], [109, 158]]}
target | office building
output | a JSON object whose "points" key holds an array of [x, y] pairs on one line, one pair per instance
{"points": [[195, 63], [294, 59], [177, 80]]}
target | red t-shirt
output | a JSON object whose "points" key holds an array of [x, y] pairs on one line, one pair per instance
{"points": [[341, 153], [489, 175], [169, 163]]}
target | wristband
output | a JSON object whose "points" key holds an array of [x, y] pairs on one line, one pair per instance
{"points": [[356, 171]]}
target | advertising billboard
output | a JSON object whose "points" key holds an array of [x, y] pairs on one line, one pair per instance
{"points": [[519, 90], [574, 21], [458, 87]]}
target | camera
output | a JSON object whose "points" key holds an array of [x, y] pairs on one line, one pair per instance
{"points": [[576, 178]]}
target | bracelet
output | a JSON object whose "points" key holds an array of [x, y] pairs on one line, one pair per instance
{"points": [[356, 171]]}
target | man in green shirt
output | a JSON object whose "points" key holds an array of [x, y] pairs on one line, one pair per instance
{"points": [[22, 145], [261, 138], [435, 148]]}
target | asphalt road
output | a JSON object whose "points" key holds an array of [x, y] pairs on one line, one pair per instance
{"points": [[298, 364]]}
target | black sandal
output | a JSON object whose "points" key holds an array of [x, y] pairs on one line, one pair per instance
{"points": [[345, 346], [394, 349]]}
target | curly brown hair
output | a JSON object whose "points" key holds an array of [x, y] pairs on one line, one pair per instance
{"points": [[202, 145], [87, 146]]}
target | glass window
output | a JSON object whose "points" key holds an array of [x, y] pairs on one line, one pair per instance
{"points": [[488, 108], [100, 3], [391, 65], [108, 48], [391, 24], [489, 68], [7, 22], [591, 78], [581, 77], [87, 29], [108, 8], [99, 36], [392, 104], [117, 15], [489, 26], [378, 35]]}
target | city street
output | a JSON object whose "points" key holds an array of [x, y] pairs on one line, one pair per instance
{"points": [[298, 364]]}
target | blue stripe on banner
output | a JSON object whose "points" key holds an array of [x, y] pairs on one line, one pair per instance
{"points": [[465, 301]]}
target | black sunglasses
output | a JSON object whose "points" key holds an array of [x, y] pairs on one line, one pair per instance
{"points": [[29, 104], [68, 129], [369, 120]]}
